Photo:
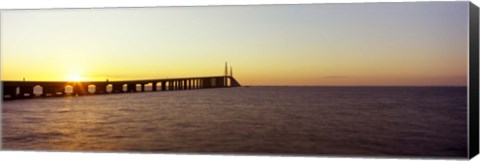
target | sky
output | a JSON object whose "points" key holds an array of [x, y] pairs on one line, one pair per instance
{"points": [[379, 44]]}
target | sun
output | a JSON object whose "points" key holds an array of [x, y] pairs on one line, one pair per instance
{"points": [[75, 77]]}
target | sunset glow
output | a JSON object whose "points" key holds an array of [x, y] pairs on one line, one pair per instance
{"points": [[75, 77], [324, 44]]}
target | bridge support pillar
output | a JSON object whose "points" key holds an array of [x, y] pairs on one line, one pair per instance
{"points": [[117, 88], [131, 87], [178, 85], [48, 91], [100, 88], [192, 84], [143, 87], [225, 81], [196, 83], [26, 90], [184, 84], [162, 85], [154, 86], [175, 85], [220, 82], [207, 83], [79, 89], [10, 91], [60, 90]]}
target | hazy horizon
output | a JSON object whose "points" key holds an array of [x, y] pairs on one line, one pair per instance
{"points": [[363, 44]]}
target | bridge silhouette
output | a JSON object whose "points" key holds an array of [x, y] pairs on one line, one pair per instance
{"points": [[25, 89]]}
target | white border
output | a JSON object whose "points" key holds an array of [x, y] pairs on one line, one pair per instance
{"points": [[35, 4], [53, 156]]}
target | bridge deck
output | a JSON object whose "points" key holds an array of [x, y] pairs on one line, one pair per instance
{"points": [[25, 89]]}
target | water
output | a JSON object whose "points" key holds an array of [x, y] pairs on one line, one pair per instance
{"points": [[373, 121]]}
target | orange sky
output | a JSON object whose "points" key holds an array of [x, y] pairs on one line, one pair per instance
{"points": [[324, 44]]}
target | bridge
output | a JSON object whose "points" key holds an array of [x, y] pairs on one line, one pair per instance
{"points": [[25, 89], [34, 89]]}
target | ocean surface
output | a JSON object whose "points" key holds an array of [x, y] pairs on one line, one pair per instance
{"points": [[333, 121]]}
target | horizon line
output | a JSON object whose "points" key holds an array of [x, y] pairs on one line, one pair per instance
{"points": [[355, 85]]}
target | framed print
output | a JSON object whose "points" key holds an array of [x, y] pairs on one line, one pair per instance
{"points": [[356, 79]]}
